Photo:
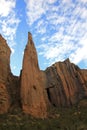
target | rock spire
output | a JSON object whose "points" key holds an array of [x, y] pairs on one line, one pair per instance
{"points": [[32, 90]]}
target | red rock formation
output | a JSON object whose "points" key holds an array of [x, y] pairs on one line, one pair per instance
{"points": [[4, 99], [13, 87], [4, 72], [65, 84], [9, 84], [32, 92], [4, 60], [84, 73]]}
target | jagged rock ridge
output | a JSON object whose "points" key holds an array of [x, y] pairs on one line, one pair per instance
{"points": [[34, 91]]}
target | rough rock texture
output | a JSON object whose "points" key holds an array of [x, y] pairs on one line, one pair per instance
{"points": [[62, 84], [13, 87], [66, 84], [84, 74], [9, 84], [4, 60], [32, 89], [4, 99], [4, 72]]}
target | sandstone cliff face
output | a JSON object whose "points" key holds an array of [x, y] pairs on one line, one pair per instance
{"points": [[66, 84], [9, 90], [32, 89], [4, 99], [13, 87], [4, 60], [4, 72], [62, 84], [84, 73]]}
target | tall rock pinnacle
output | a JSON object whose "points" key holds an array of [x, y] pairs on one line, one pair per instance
{"points": [[32, 90], [30, 40]]}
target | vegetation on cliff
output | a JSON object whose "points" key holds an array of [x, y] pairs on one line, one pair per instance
{"points": [[74, 118]]}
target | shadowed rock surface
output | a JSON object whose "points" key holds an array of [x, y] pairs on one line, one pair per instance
{"points": [[66, 83], [4, 99]]}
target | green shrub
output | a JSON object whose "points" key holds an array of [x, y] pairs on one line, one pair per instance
{"points": [[59, 119]]}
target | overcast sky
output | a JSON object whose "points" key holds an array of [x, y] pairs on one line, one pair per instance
{"points": [[59, 29]]}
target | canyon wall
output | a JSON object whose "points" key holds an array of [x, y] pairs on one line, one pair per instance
{"points": [[66, 83], [61, 85], [9, 89]]}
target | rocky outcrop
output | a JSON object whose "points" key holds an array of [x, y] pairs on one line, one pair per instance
{"points": [[9, 84], [4, 60], [66, 84], [84, 74], [32, 89], [13, 87], [4, 72], [62, 84], [4, 99]]}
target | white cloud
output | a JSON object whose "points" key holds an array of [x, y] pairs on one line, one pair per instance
{"points": [[36, 9], [62, 26], [56, 51], [66, 1], [9, 25], [51, 1], [14, 67], [41, 27], [6, 6], [12, 50], [8, 21], [83, 1], [80, 53], [55, 19]]}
